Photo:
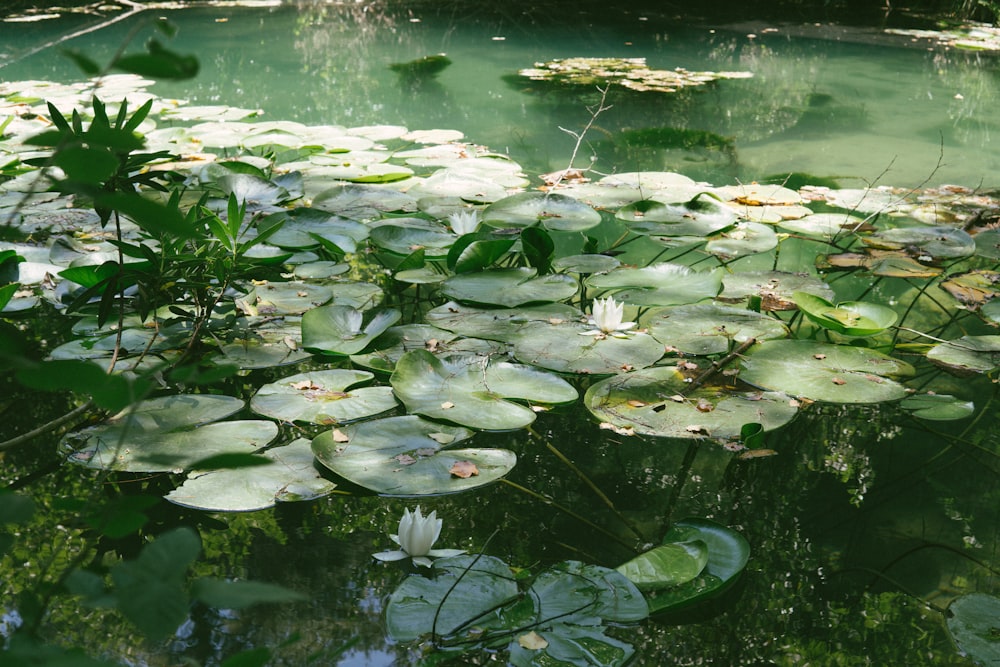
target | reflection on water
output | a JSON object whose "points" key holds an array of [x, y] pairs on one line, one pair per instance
{"points": [[853, 513], [852, 107]]}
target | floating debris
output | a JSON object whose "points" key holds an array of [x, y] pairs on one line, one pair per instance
{"points": [[631, 73]]}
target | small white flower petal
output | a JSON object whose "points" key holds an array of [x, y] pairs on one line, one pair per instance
{"points": [[422, 561], [445, 553], [389, 556]]}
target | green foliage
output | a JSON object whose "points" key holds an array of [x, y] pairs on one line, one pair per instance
{"points": [[152, 590]]}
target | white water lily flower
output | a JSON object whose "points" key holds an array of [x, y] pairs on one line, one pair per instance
{"points": [[463, 222], [355, 318], [607, 317], [417, 534]]}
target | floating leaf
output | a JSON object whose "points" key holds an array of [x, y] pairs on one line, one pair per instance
{"points": [[343, 329], [972, 623], [585, 264], [746, 238], [934, 243], [888, 263], [323, 397], [728, 554], [655, 402], [666, 565], [404, 235], [290, 476], [704, 329], [663, 284], [823, 225], [631, 73], [937, 407], [509, 287], [824, 372], [140, 450], [968, 354], [476, 389], [775, 288], [501, 324], [851, 318], [363, 202], [465, 589], [973, 288], [699, 217], [386, 350], [561, 347], [555, 212], [368, 454]]}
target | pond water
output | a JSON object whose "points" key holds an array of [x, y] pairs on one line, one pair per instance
{"points": [[863, 523], [848, 103]]}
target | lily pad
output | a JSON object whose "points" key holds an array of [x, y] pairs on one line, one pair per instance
{"points": [[475, 391], [464, 589], [287, 298], [303, 227], [746, 238], [662, 284], [630, 73], [386, 350], [500, 324], [264, 342], [973, 288], [509, 287], [704, 329], [823, 225], [555, 212], [141, 450], [850, 318], [988, 244], [655, 402], [468, 187], [585, 264], [775, 288], [728, 554], [323, 397], [700, 216], [666, 565], [407, 456], [972, 623], [930, 242], [363, 202], [290, 475], [887, 263], [563, 348], [580, 593], [937, 407], [343, 329], [404, 235], [824, 372], [968, 354]]}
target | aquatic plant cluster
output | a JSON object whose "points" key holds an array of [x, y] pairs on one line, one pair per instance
{"points": [[421, 289]]}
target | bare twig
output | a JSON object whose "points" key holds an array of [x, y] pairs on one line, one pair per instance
{"points": [[580, 136], [48, 427]]}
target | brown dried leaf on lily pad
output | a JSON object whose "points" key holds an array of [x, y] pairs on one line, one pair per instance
{"points": [[464, 469]]}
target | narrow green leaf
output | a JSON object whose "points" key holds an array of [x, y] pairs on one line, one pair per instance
{"points": [[139, 116], [58, 119], [538, 248], [85, 63], [240, 594]]}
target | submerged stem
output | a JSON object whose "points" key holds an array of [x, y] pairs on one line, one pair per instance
{"points": [[593, 487], [548, 501]]}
